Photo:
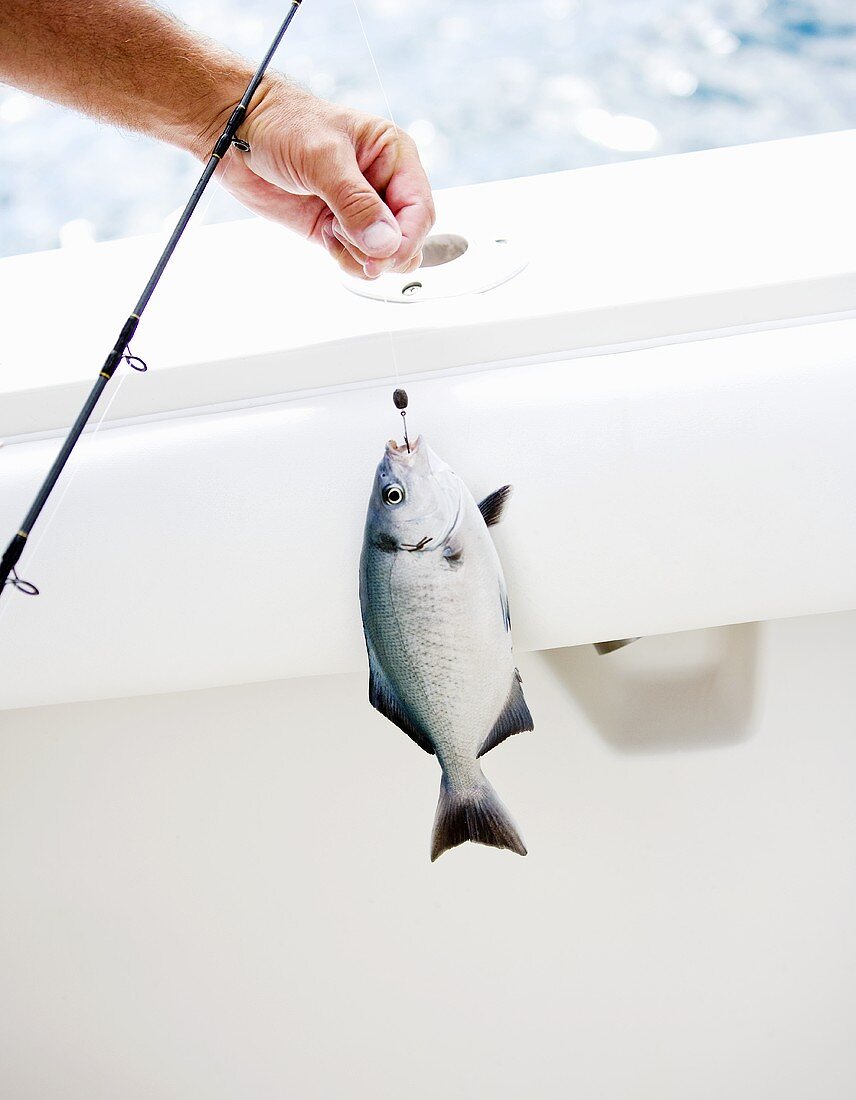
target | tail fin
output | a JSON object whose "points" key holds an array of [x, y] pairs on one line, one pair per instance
{"points": [[473, 814]]}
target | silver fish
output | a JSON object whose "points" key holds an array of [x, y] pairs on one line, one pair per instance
{"points": [[438, 634]]}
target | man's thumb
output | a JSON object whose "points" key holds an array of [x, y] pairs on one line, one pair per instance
{"points": [[363, 216]]}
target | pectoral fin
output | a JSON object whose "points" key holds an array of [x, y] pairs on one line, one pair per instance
{"points": [[383, 697], [453, 554], [493, 506], [514, 718]]}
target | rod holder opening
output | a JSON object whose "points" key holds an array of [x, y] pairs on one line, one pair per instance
{"points": [[452, 265]]}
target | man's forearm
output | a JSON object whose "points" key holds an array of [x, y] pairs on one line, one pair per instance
{"points": [[347, 180], [123, 61]]}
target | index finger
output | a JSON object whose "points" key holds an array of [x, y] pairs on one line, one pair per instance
{"points": [[408, 196]]}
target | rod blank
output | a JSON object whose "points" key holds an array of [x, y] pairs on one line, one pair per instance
{"points": [[13, 552]]}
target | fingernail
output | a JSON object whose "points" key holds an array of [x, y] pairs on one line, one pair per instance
{"points": [[381, 237], [373, 268]]}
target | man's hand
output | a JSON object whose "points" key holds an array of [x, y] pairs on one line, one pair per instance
{"points": [[349, 181]]}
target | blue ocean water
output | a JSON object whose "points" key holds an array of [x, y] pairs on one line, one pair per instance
{"points": [[489, 90]]}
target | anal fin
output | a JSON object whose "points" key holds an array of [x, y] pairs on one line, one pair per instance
{"points": [[514, 718], [383, 698]]}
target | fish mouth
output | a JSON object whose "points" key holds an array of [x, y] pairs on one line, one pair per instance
{"points": [[401, 451]]}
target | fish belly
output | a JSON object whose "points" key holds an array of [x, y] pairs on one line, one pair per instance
{"points": [[439, 635]]}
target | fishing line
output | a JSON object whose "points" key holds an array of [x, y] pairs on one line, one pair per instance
{"points": [[121, 349], [397, 129]]}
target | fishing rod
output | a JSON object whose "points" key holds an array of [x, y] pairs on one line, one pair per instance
{"points": [[121, 349]]}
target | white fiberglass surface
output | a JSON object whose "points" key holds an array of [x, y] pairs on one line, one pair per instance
{"points": [[631, 260], [227, 893], [659, 490]]}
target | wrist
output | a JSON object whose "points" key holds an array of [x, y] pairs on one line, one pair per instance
{"points": [[208, 108]]}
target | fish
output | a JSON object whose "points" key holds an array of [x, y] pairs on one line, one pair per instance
{"points": [[437, 628]]}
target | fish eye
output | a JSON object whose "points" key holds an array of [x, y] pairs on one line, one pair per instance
{"points": [[393, 494]]}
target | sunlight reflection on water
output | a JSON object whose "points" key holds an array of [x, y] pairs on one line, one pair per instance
{"points": [[489, 91]]}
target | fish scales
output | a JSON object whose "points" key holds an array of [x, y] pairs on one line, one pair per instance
{"points": [[451, 690]]}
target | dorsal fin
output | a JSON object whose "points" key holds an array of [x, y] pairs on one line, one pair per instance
{"points": [[514, 718], [383, 697], [492, 506]]}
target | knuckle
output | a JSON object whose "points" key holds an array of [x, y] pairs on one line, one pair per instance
{"points": [[406, 142], [355, 206], [319, 148]]}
